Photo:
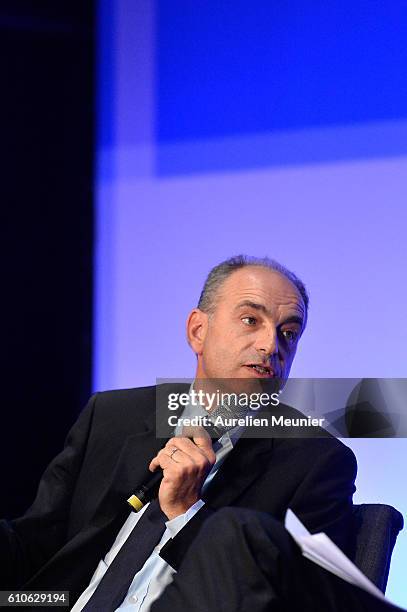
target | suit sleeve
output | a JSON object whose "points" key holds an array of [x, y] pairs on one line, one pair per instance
{"points": [[28, 542], [174, 554], [323, 501]]}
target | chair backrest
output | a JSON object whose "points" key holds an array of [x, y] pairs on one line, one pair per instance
{"points": [[375, 530]]}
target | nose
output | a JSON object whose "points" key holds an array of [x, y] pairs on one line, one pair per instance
{"points": [[267, 342]]}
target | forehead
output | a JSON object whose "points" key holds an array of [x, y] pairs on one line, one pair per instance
{"points": [[261, 285]]}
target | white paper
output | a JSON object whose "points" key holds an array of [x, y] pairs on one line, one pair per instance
{"points": [[322, 551]]}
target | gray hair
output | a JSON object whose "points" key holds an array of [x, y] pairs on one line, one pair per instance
{"points": [[218, 275]]}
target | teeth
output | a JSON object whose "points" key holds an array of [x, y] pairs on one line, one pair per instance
{"points": [[260, 369]]}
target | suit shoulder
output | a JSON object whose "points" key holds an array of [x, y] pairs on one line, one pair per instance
{"points": [[313, 452], [136, 395], [124, 408], [335, 447], [115, 397], [338, 457], [315, 439]]}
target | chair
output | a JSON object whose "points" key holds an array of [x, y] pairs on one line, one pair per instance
{"points": [[375, 529]]}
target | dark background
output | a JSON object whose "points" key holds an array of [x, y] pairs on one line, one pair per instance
{"points": [[47, 111]]}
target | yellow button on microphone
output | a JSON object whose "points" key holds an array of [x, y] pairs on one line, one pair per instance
{"points": [[135, 503]]}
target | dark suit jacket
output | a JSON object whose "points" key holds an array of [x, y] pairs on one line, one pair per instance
{"points": [[81, 500]]}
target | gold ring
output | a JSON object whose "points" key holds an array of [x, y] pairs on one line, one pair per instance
{"points": [[174, 450]]}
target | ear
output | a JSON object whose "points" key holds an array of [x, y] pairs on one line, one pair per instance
{"points": [[197, 326]]}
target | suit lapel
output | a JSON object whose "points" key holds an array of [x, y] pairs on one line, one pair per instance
{"points": [[241, 468], [131, 468], [130, 471]]}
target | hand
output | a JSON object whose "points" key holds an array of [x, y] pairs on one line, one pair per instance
{"points": [[185, 464]]}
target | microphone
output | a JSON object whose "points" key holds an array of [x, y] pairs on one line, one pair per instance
{"points": [[149, 489]]}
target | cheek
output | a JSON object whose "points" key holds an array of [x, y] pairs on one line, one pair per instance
{"points": [[218, 354], [288, 358], [219, 351]]}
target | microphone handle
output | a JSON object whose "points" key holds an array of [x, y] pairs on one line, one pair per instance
{"points": [[149, 489]]}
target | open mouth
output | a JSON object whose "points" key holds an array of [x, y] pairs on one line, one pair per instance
{"points": [[260, 370]]}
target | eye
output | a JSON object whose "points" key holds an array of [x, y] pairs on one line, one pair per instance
{"points": [[249, 321], [290, 335]]}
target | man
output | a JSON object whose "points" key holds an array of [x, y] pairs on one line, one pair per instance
{"points": [[78, 534]]}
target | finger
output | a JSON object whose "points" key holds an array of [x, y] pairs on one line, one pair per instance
{"points": [[199, 454], [161, 460], [172, 447], [190, 431], [165, 458], [200, 449], [201, 439], [172, 442], [187, 447]]}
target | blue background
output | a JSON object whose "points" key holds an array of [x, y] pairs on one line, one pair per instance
{"points": [[265, 128]]}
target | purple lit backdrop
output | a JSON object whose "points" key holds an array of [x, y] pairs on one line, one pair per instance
{"points": [[162, 224]]}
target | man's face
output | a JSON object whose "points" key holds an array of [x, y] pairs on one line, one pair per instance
{"points": [[255, 328]]}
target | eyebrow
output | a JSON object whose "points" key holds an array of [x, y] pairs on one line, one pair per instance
{"points": [[262, 308], [253, 305], [294, 319]]}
